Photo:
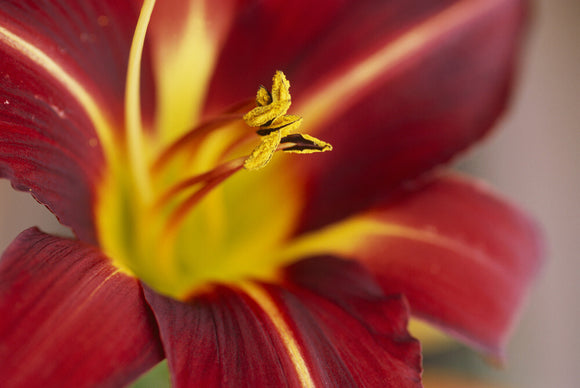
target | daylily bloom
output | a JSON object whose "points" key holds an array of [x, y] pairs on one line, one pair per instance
{"points": [[144, 128]]}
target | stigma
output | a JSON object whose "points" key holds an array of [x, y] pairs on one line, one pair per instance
{"points": [[276, 127]]}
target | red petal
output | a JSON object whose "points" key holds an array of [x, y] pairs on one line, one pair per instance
{"points": [[89, 39], [338, 330], [221, 339], [49, 156], [473, 277], [396, 87], [49, 125], [463, 258], [342, 318], [418, 112], [269, 36], [69, 319]]}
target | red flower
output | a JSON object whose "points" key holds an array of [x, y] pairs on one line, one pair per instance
{"points": [[130, 123]]}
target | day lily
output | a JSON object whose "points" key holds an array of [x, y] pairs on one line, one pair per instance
{"points": [[210, 227]]}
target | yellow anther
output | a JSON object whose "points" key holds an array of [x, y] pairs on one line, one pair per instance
{"points": [[300, 143], [276, 126], [262, 115], [262, 154], [263, 97], [280, 87], [270, 105], [285, 124]]}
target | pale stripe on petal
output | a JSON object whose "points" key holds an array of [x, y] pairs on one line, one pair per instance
{"points": [[294, 352], [341, 91], [101, 123]]}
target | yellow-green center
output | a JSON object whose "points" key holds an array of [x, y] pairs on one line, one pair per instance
{"points": [[208, 217]]}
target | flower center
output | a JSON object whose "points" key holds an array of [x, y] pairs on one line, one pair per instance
{"points": [[211, 217]]}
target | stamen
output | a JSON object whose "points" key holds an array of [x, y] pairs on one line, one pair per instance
{"points": [[276, 126], [262, 115], [180, 213], [263, 153], [303, 144], [263, 96], [272, 105], [188, 140], [280, 87], [287, 123], [275, 129], [194, 180]]}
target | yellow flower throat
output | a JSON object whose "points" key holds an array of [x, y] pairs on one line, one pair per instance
{"points": [[204, 220]]}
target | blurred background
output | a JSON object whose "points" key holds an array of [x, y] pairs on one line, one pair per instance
{"points": [[534, 159]]}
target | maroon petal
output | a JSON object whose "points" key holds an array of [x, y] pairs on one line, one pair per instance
{"points": [[342, 318], [470, 266], [269, 36], [222, 339], [90, 39], [49, 156], [396, 87], [329, 326], [463, 258], [69, 318], [420, 111], [61, 99]]}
